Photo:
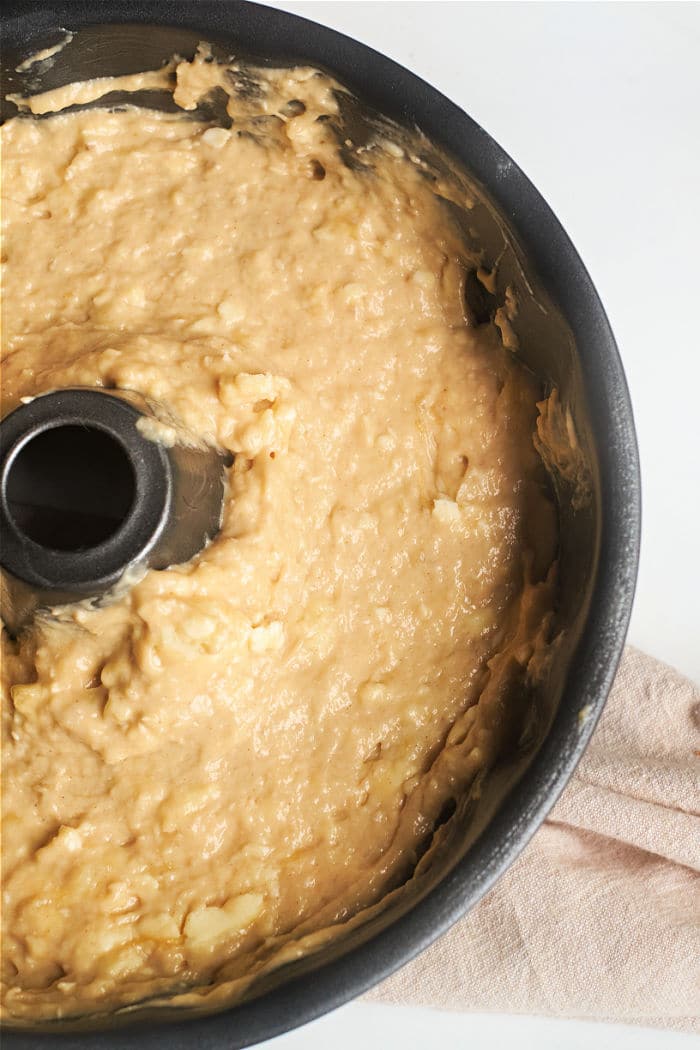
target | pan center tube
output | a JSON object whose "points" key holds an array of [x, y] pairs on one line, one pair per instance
{"points": [[85, 495]]}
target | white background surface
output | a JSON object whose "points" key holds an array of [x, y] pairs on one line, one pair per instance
{"points": [[599, 103]]}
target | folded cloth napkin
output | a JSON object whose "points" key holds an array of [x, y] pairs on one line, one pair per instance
{"points": [[599, 918]]}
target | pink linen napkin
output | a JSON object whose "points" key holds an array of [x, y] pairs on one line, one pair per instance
{"points": [[599, 918]]}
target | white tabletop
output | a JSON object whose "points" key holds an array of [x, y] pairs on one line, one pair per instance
{"points": [[598, 103]]}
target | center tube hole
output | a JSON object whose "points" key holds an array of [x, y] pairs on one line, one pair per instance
{"points": [[70, 488]]}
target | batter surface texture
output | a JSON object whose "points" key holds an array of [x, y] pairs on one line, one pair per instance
{"points": [[237, 754]]}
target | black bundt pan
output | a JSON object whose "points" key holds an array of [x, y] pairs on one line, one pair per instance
{"points": [[566, 340]]}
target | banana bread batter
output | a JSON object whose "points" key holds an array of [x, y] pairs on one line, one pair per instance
{"points": [[234, 755]]}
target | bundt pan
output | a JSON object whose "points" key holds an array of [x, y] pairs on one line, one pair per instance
{"points": [[565, 339]]}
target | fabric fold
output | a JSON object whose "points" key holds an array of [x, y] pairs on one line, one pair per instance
{"points": [[600, 916]]}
